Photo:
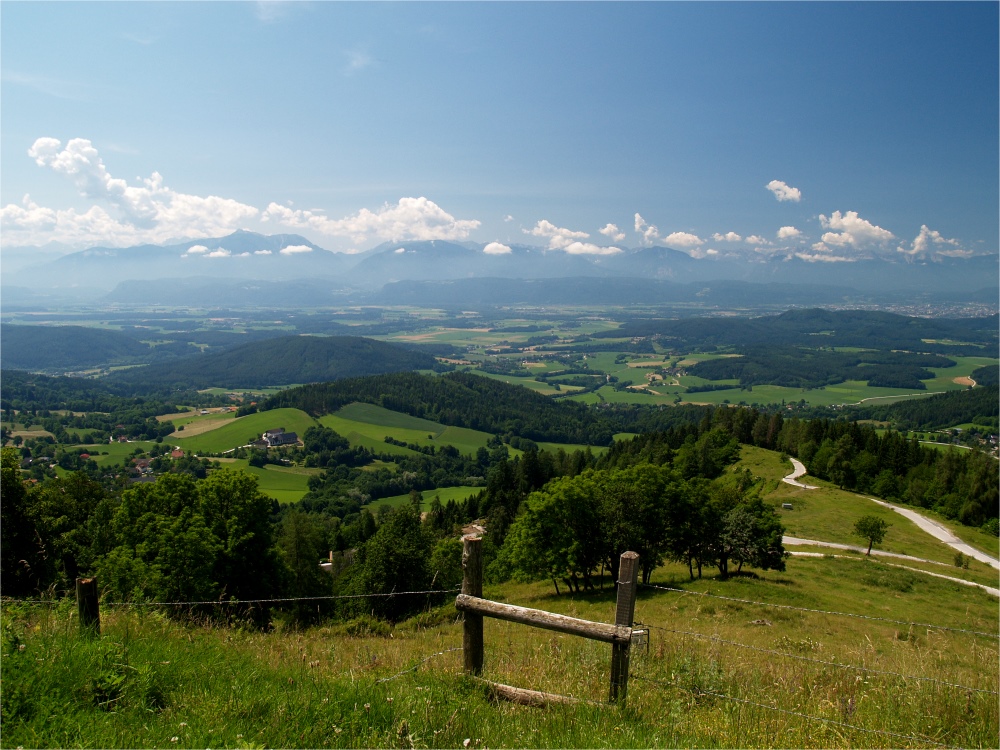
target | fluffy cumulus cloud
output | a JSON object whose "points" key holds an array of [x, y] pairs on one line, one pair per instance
{"points": [[497, 248], [851, 232], [219, 253], [612, 232], [568, 240], [727, 237], [295, 250], [649, 232], [823, 258], [196, 250], [684, 240], [128, 214], [788, 233], [409, 219], [756, 239], [784, 192], [930, 243]]}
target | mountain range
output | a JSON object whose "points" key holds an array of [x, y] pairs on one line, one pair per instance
{"points": [[247, 268]]}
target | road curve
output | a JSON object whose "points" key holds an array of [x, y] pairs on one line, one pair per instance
{"points": [[798, 470], [940, 532]]}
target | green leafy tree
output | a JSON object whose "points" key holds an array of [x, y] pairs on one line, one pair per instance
{"points": [[301, 543], [871, 528]]}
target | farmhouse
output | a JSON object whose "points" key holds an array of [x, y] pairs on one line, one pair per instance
{"points": [[278, 437]]}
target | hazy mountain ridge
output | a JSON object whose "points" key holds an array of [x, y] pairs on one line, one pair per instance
{"points": [[246, 256]]}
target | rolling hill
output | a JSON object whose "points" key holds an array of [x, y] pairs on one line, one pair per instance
{"points": [[281, 361]]}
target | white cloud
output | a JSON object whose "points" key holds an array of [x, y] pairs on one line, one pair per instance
{"points": [[727, 237], [295, 249], [851, 231], [784, 192], [612, 232], [683, 239], [568, 240], [399, 250], [930, 242], [788, 233], [648, 231], [261, 252], [409, 219], [219, 253], [508, 217], [497, 248], [196, 250], [150, 212], [823, 258], [756, 239], [586, 248], [558, 237]]}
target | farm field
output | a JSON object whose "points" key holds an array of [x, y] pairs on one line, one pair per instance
{"points": [[445, 493], [116, 452], [286, 484], [237, 432]]}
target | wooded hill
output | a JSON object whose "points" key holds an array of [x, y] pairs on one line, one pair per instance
{"points": [[459, 399], [281, 361], [65, 347], [828, 328]]}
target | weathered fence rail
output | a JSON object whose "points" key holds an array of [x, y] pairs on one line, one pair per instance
{"points": [[620, 635]]}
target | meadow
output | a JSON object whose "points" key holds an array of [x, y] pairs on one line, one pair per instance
{"points": [[886, 660], [242, 430]]}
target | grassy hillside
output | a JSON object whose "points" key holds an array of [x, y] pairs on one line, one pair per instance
{"points": [[717, 673], [237, 432]]}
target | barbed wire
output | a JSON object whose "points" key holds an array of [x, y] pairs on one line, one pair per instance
{"points": [[883, 732], [821, 611], [418, 664], [12, 600], [717, 639]]}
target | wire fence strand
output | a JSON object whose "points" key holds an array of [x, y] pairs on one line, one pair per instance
{"points": [[822, 611], [11, 600], [789, 712], [416, 666], [870, 670]]}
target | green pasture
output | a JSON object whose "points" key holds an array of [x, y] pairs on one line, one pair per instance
{"points": [[242, 430], [828, 514], [116, 452], [530, 383], [194, 417], [286, 484], [457, 494]]}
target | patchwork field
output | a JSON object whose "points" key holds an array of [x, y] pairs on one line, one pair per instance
{"points": [[240, 431]]}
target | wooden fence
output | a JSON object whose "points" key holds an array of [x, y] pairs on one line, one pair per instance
{"points": [[620, 635]]}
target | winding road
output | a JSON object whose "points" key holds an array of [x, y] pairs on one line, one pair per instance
{"points": [[935, 529]]}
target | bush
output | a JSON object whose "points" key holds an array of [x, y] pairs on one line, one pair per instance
{"points": [[992, 526]]}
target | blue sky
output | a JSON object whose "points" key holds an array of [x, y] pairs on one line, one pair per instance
{"points": [[874, 124]]}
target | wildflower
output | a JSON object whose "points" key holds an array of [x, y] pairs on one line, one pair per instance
{"points": [[466, 742], [388, 700], [184, 723], [174, 739]]}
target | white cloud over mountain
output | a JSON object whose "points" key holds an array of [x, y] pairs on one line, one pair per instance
{"points": [[727, 237], [409, 219], [150, 212], [851, 231], [497, 248], [568, 240], [930, 242], [612, 232]]}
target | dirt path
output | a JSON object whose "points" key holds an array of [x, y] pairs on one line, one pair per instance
{"points": [[935, 529], [988, 589], [938, 531]]}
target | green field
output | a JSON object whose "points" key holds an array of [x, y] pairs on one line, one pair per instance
{"points": [[116, 452], [828, 514], [445, 493], [242, 430], [286, 484]]}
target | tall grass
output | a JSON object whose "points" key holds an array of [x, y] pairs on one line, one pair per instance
{"points": [[716, 673]]}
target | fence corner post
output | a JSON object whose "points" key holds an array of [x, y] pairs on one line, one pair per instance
{"points": [[87, 606], [472, 585], [628, 570]]}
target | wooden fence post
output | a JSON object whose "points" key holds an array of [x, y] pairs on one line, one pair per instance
{"points": [[472, 585], [628, 570], [87, 606]]}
